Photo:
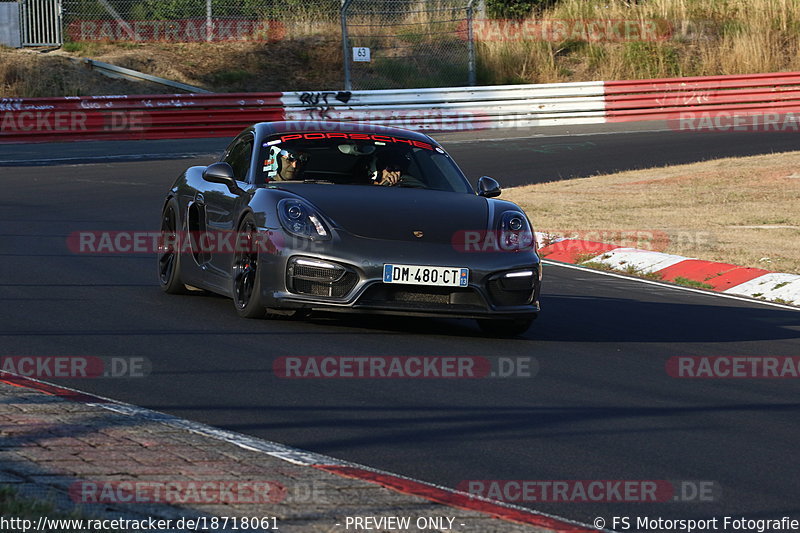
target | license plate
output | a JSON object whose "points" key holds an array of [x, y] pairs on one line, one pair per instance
{"points": [[426, 275]]}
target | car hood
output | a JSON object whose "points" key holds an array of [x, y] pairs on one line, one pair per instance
{"points": [[396, 213]]}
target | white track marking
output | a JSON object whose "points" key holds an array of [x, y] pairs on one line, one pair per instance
{"points": [[670, 285]]}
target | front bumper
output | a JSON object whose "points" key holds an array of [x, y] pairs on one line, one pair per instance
{"points": [[346, 274]]}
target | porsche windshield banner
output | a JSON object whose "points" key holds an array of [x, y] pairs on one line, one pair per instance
{"points": [[350, 136]]}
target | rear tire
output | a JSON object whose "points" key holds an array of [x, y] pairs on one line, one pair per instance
{"points": [[169, 254], [505, 327], [246, 275]]}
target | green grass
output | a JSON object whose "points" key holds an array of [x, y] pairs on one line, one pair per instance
{"points": [[598, 266], [423, 71], [584, 256], [231, 77], [630, 270], [633, 271], [25, 508], [686, 282], [81, 47]]}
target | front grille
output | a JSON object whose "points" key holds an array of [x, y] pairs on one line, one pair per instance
{"points": [[420, 296], [322, 274], [333, 289], [444, 298], [312, 280]]}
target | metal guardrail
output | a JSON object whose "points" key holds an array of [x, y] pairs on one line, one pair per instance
{"points": [[114, 71], [447, 109], [457, 108], [210, 115], [672, 98], [171, 116]]}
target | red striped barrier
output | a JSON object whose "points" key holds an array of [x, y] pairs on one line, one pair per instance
{"points": [[702, 82], [134, 117], [696, 103], [676, 98]]}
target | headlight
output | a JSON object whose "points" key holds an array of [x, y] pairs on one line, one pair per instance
{"points": [[515, 231], [300, 218]]}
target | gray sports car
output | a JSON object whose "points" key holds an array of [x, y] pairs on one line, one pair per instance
{"points": [[304, 216]]}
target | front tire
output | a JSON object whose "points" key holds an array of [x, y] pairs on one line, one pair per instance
{"points": [[246, 274], [169, 254], [505, 327]]}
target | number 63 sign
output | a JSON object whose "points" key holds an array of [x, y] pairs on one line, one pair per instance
{"points": [[361, 53]]}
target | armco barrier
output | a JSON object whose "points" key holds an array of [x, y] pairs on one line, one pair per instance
{"points": [[134, 117], [665, 99], [433, 110], [224, 115], [456, 108]]}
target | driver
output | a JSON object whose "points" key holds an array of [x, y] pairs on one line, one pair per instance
{"points": [[391, 170], [285, 164]]}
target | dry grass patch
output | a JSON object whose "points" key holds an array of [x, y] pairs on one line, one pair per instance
{"points": [[24, 73], [311, 62], [701, 38], [736, 210]]}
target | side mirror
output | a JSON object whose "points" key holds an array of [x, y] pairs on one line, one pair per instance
{"points": [[488, 187], [222, 173]]}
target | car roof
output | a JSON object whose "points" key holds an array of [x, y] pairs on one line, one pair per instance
{"points": [[308, 126]]}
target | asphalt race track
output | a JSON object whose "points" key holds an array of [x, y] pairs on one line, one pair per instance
{"points": [[601, 407]]}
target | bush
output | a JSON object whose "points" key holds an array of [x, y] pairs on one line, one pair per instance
{"points": [[515, 9]]}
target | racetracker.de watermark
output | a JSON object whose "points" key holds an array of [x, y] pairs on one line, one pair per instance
{"points": [[151, 242], [594, 240], [404, 367], [583, 239], [592, 491], [734, 367], [323, 116], [76, 366], [29, 121], [177, 31], [487, 241], [179, 492], [730, 121], [593, 30]]}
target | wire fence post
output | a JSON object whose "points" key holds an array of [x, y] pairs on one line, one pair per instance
{"points": [[348, 85], [209, 22], [471, 42]]}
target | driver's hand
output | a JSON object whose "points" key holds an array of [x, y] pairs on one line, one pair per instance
{"points": [[389, 178]]}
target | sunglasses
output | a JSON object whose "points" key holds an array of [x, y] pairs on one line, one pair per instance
{"points": [[292, 156]]}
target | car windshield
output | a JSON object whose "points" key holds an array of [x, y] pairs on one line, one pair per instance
{"points": [[358, 159]]}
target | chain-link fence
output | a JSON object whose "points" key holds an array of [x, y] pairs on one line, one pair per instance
{"points": [[198, 20], [391, 44], [132, 10], [387, 44]]}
